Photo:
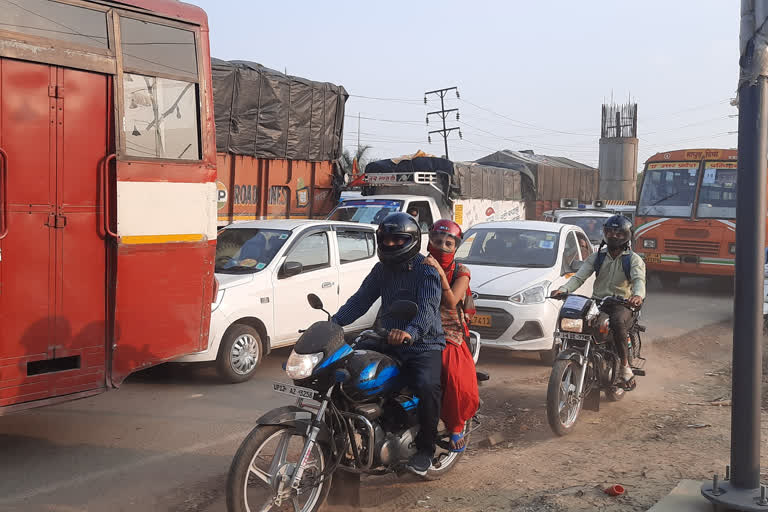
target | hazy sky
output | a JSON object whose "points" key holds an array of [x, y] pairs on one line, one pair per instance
{"points": [[532, 74]]}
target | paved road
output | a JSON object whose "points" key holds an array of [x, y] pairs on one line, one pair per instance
{"points": [[164, 441]]}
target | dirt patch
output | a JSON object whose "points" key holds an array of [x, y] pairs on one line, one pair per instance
{"points": [[664, 431]]}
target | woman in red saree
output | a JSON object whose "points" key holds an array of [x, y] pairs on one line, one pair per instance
{"points": [[459, 381]]}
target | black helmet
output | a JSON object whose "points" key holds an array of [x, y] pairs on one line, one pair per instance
{"points": [[398, 238], [620, 228]]}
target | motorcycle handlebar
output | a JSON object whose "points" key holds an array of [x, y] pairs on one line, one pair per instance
{"points": [[618, 300], [382, 335]]}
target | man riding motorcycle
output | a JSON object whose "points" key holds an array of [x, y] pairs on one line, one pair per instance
{"points": [[418, 344], [618, 272]]}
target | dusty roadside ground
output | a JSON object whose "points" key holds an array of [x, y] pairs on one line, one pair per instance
{"points": [[674, 426]]}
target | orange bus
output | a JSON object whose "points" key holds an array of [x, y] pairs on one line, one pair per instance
{"points": [[685, 222], [107, 193]]}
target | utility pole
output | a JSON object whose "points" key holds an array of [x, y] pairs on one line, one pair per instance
{"points": [[741, 488], [358, 133], [443, 113]]}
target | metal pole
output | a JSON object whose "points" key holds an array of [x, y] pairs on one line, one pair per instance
{"points": [[358, 134], [748, 302], [445, 132], [743, 488]]}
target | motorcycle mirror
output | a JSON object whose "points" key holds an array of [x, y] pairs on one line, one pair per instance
{"points": [[315, 302], [403, 310]]}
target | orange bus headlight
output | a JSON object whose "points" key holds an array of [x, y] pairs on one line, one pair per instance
{"points": [[649, 243], [732, 248]]}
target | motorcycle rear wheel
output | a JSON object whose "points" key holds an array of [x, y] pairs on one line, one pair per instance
{"points": [[563, 406], [445, 460], [252, 466]]}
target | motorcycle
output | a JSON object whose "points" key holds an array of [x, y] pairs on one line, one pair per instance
{"points": [[588, 362], [351, 415]]}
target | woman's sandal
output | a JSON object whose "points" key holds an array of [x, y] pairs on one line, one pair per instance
{"points": [[455, 440]]}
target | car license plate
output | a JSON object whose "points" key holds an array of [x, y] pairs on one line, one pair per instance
{"points": [[297, 391], [482, 321], [653, 258]]}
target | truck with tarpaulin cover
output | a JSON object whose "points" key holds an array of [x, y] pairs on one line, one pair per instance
{"points": [[278, 140], [436, 188], [547, 180]]}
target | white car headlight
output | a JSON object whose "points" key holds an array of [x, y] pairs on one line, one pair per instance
{"points": [[536, 294], [300, 366], [572, 324], [217, 302]]}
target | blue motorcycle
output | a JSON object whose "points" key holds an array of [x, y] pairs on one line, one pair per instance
{"points": [[351, 414]]}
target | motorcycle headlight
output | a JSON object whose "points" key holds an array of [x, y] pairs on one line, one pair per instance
{"points": [[536, 294], [217, 302], [300, 366], [572, 324]]}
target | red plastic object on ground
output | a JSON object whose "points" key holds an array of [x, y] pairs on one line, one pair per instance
{"points": [[615, 490]]}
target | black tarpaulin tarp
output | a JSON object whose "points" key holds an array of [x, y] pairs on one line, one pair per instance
{"points": [[477, 181], [263, 113]]}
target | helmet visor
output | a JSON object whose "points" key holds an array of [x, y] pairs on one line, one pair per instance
{"points": [[393, 242]]}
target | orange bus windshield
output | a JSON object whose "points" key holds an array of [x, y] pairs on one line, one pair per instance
{"points": [[717, 198], [669, 191]]}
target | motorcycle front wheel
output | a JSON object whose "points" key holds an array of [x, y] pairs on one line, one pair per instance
{"points": [[563, 405], [260, 474]]}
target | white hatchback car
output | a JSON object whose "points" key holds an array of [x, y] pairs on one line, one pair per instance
{"points": [[515, 265], [265, 270]]}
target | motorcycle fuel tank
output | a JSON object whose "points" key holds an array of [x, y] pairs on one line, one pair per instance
{"points": [[372, 375]]}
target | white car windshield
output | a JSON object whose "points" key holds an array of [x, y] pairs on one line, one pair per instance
{"points": [[244, 250], [367, 211], [509, 248], [592, 226]]}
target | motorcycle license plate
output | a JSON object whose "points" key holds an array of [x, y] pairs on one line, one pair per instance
{"points": [[482, 321], [295, 391], [574, 336]]}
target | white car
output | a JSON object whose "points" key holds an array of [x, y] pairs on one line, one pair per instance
{"points": [[515, 266], [265, 270], [591, 221]]}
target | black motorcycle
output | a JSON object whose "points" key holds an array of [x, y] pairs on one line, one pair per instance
{"points": [[587, 362], [351, 415]]}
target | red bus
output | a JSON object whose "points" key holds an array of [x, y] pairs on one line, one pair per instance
{"points": [[686, 215], [107, 193]]}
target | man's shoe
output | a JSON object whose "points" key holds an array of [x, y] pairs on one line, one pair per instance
{"points": [[419, 463], [626, 374]]}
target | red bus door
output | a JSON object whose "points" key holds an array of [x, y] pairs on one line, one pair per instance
{"points": [[53, 278]]}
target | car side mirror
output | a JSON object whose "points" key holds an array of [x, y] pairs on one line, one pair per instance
{"points": [[291, 268]]}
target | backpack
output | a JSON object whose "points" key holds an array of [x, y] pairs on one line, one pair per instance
{"points": [[626, 263]]}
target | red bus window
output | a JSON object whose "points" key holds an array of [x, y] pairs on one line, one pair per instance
{"points": [[161, 118], [52, 20], [158, 50]]}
